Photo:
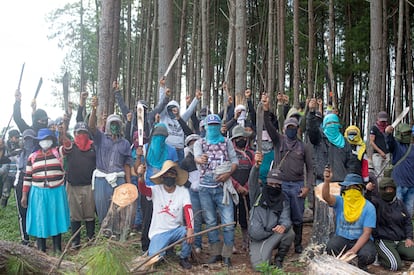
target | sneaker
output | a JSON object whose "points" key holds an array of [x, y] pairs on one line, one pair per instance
{"points": [[197, 250], [184, 263]]}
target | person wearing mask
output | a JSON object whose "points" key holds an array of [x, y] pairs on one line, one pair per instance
{"points": [[381, 155], [80, 164], [29, 145], [393, 234], [270, 226], [170, 117], [172, 204], [189, 165], [240, 178], [218, 161], [329, 145], [113, 159], [293, 159], [156, 152], [359, 159], [44, 193], [355, 220], [402, 152]]}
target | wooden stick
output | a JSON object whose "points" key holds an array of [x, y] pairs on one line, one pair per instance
{"points": [[65, 250], [181, 240]]}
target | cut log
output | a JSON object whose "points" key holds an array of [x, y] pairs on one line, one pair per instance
{"points": [[323, 215], [325, 264], [39, 262]]}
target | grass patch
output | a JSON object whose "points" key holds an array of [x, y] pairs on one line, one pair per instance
{"points": [[9, 224]]}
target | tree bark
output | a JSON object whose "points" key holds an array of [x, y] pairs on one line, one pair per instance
{"points": [[281, 14], [311, 50], [270, 48], [165, 39], [241, 51], [296, 53], [205, 50], [409, 62], [375, 63], [106, 36], [398, 63], [178, 71]]}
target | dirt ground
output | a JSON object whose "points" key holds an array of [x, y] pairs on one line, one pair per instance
{"points": [[294, 263]]}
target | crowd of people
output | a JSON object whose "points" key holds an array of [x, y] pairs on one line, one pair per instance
{"points": [[220, 172]]}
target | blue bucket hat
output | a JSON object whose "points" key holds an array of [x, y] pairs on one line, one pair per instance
{"points": [[352, 179], [45, 133]]}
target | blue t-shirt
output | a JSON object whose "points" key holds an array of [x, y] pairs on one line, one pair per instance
{"points": [[172, 155], [352, 231]]}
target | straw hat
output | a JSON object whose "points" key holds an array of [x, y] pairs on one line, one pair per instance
{"points": [[125, 194], [182, 175]]}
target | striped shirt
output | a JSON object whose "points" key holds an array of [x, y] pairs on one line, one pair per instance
{"points": [[43, 170]]}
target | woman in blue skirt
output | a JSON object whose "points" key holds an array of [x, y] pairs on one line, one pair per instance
{"points": [[44, 193]]}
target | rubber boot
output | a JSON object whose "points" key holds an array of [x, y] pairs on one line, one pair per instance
{"points": [[215, 250], [57, 243], [246, 239], [298, 237], [75, 225], [90, 229], [41, 244], [281, 254], [227, 252]]}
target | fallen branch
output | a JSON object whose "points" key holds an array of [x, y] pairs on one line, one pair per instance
{"points": [[135, 269]]}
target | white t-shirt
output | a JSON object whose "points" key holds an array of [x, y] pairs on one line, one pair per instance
{"points": [[168, 209]]}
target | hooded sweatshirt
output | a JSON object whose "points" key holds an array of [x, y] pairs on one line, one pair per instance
{"points": [[175, 131]]}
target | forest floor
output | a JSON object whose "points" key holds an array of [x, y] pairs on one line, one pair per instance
{"points": [[293, 264]]}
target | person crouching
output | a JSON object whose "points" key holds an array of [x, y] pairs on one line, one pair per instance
{"points": [[171, 202]]}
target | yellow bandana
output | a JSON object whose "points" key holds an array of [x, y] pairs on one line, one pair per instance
{"points": [[354, 203], [361, 147]]}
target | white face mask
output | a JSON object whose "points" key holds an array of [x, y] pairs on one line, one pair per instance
{"points": [[45, 144]]}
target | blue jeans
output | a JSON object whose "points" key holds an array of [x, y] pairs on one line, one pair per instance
{"points": [[198, 218], [138, 214], [406, 194], [211, 201], [163, 240], [297, 205], [180, 155], [103, 195]]}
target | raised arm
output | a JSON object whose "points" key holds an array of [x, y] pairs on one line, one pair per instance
{"points": [[326, 195], [187, 114], [121, 103]]}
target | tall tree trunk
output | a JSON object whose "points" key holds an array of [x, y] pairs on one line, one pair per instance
{"points": [[205, 50], [151, 88], [384, 84], [106, 36], [375, 62], [165, 38], [331, 52], [296, 53], [193, 52], [241, 51], [270, 48], [230, 50], [116, 17], [281, 45], [311, 49], [397, 90], [178, 71], [409, 61], [128, 60]]}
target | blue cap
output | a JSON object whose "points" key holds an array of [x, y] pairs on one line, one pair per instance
{"points": [[44, 133], [352, 179], [213, 119]]}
